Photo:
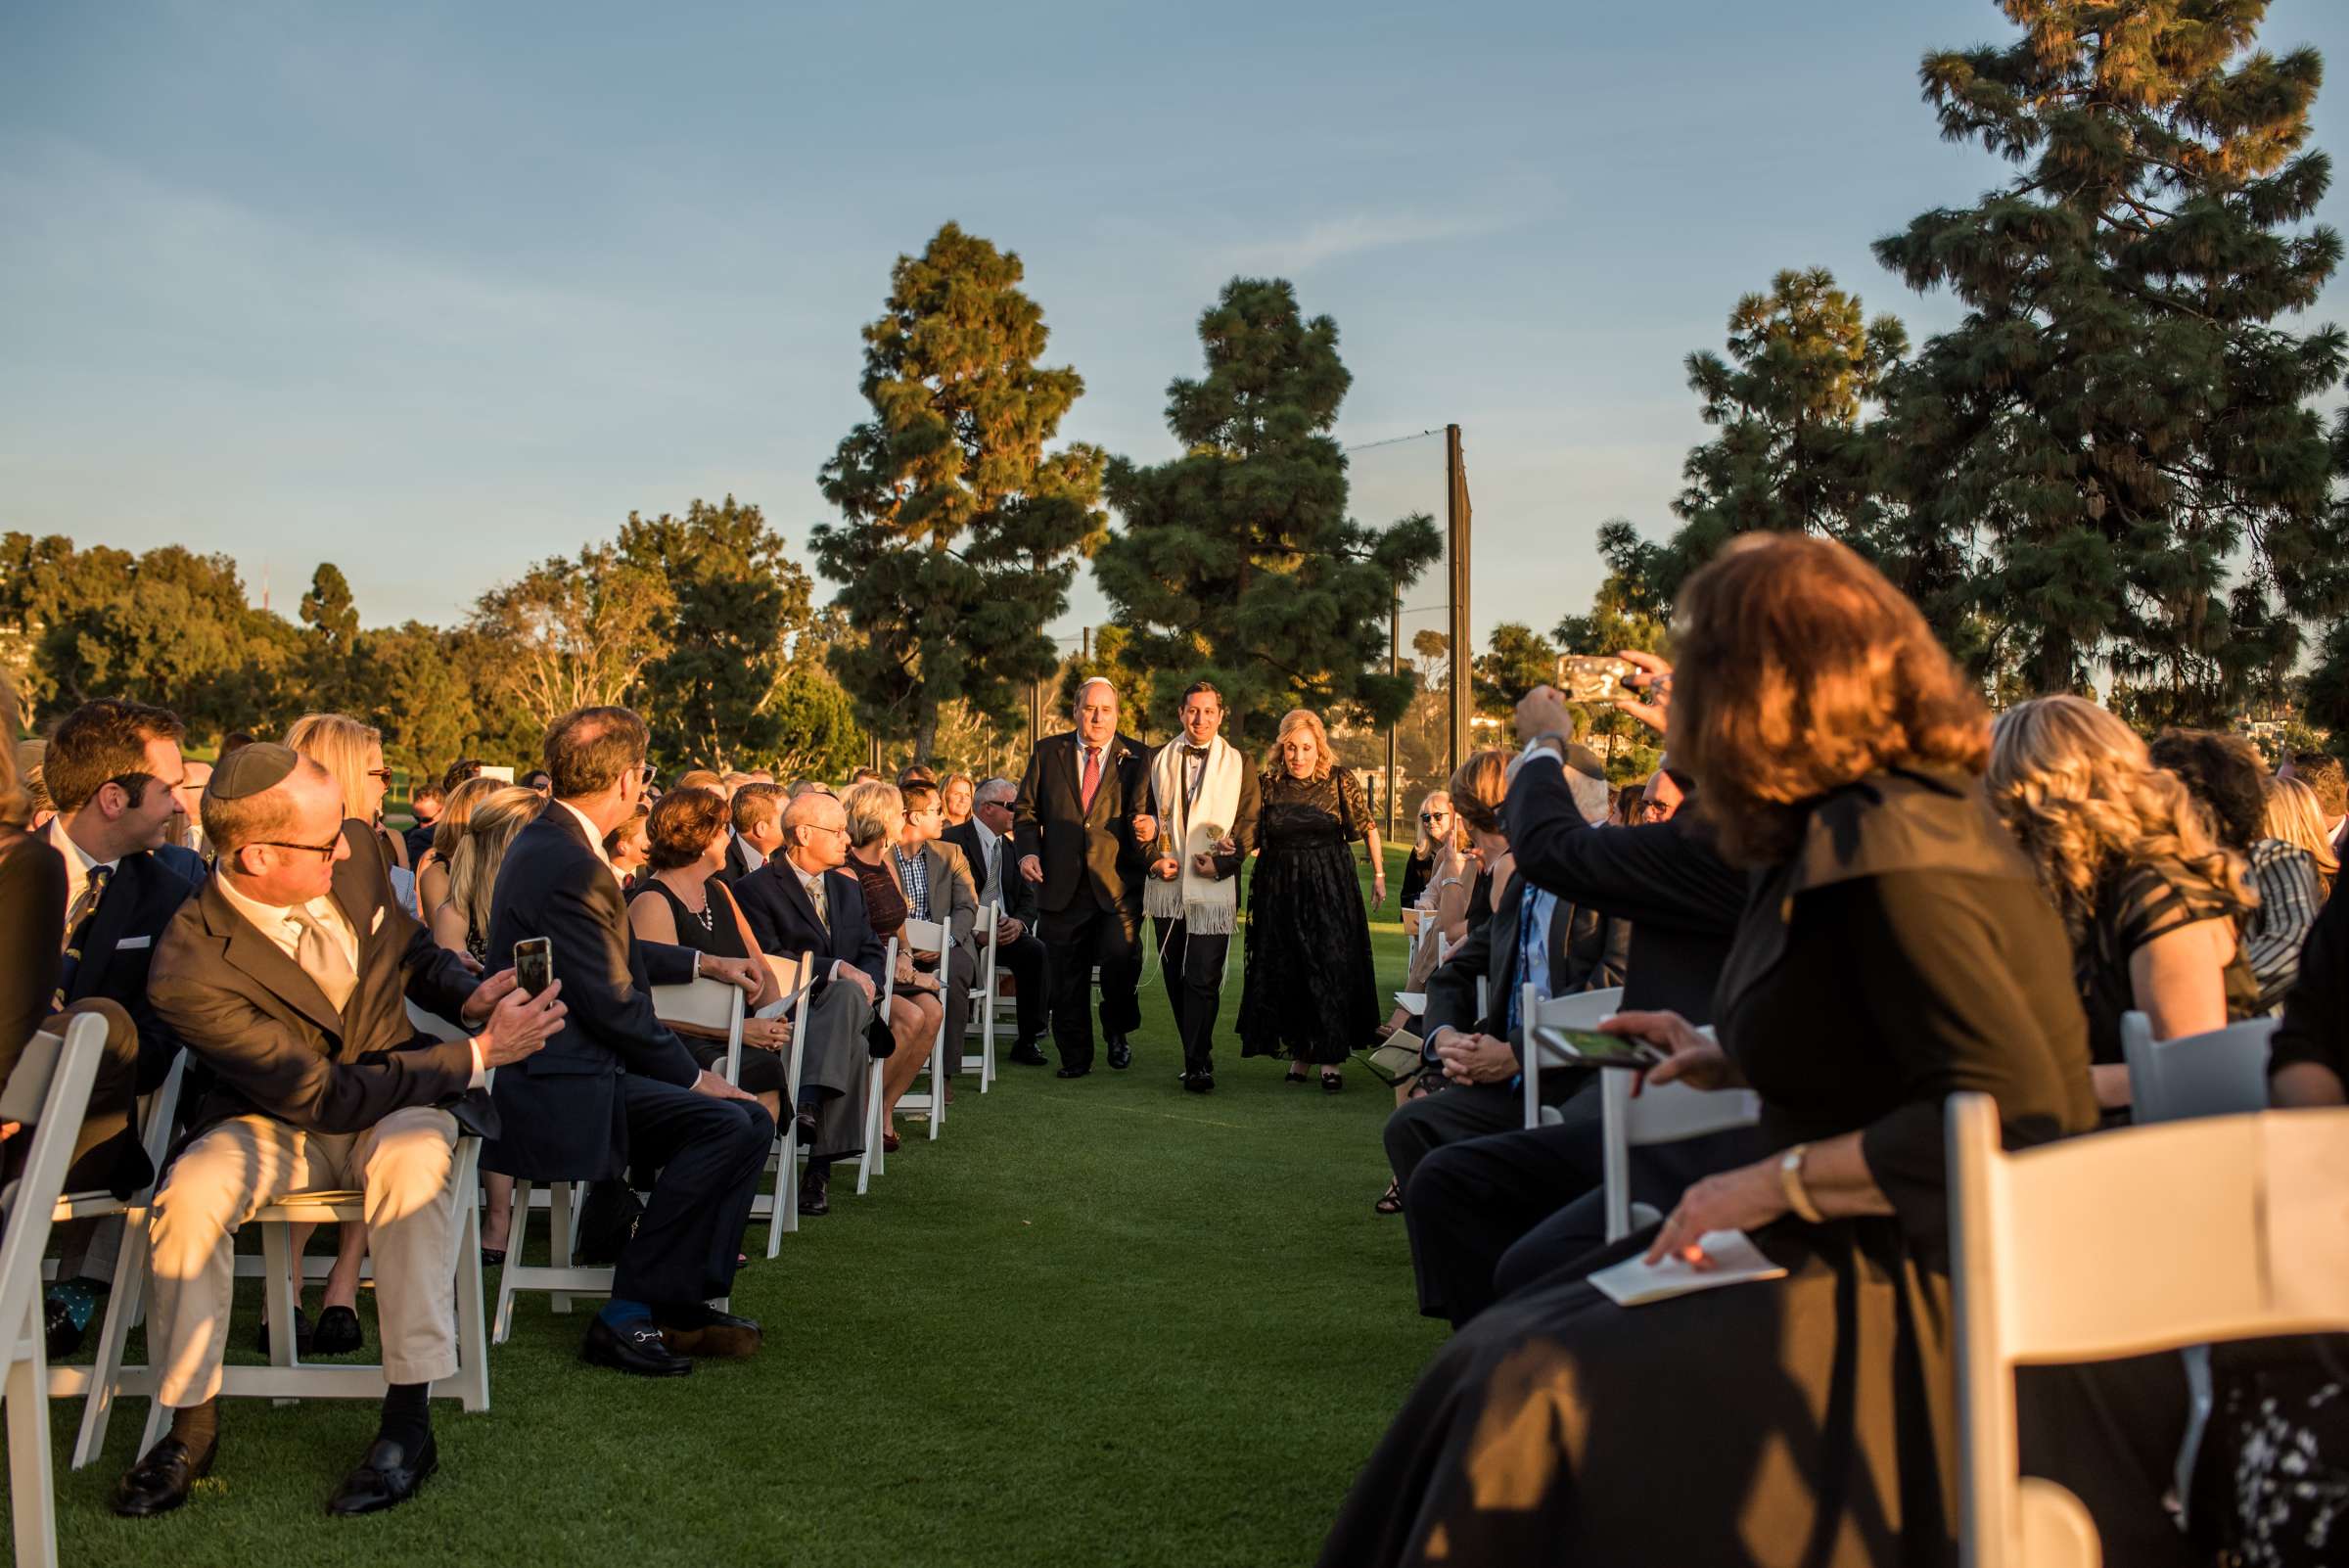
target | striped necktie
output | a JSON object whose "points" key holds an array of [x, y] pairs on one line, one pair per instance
{"points": [[77, 930]]}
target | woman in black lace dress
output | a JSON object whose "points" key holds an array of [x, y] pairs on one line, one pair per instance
{"points": [[1310, 994]]}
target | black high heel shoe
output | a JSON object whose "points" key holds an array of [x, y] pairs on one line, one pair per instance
{"points": [[1331, 1082], [1298, 1078]]}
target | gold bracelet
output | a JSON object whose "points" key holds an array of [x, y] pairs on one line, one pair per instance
{"points": [[1790, 1182]]}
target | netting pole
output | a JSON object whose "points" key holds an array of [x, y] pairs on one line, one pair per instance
{"points": [[1394, 666], [1456, 513]]}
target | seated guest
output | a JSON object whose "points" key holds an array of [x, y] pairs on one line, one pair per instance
{"points": [[801, 905], [433, 879], [627, 848], [2228, 782], [985, 844], [916, 774], [2322, 772], [957, 796], [810, 786], [1895, 949], [700, 778], [183, 849], [683, 903], [938, 887], [1660, 799], [2150, 898], [729, 783], [865, 775], [494, 816], [287, 975], [2294, 820], [424, 805], [537, 778], [757, 829], [617, 1088], [353, 753], [29, 753], [1625, 812], [463, 768], [2292, 870], [876, 815], [1477, 1054], [1491, 1216]]}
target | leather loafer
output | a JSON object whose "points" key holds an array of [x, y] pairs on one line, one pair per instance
{"points": [[636, 1349], [1072, 1072], [304, 1335], [1027, 1055], [162, 1479], [1121, 1055], [699, 1330], [388, 1477], [338, 1333], [815, 1193], [1199, 1082]]}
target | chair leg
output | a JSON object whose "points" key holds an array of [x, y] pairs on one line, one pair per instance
{"points": [[278, 1262], [473, 1339], [31, 1487], [870, 1160], [563, 1200], [783, 1214], [113, 1338], [516, 1236]]}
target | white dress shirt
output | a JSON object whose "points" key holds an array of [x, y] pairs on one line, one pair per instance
{"points": [[752, 856], [78, 864], [276, 922]]}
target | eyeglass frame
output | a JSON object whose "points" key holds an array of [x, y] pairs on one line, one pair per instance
{"points": [[326, 850]]}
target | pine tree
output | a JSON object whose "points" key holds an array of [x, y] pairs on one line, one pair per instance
{"points": [[2113, 459], [331, 640], [959, 531], [1237, 560]]}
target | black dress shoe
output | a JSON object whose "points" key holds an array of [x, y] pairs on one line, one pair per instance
{"points": [[161, 1480], [304, 1335], [1121, 1055], [338, 1333], [701, 1330], [636, 1349], [388, 1477], [1199, 1082], [805, 1124], [1072, 1072], [815, 1193], [1025, 1054]]}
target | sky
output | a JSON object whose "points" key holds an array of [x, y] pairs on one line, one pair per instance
{"points": [[435, 290]]}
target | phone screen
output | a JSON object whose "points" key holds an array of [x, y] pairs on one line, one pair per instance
{"points": [[1603, 1051], [533, 965], [1592, 677]]}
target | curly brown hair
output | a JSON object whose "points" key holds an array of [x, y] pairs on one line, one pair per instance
{"points": [[1801, 669], [682, 825]]}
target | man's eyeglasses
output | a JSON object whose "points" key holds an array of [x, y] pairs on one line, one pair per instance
{"points": [[1655, 812], [326, 850]]}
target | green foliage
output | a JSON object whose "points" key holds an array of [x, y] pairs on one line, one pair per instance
{"points": [[331, 642], [814, 725], [573, 632], [1237, 559], [958, 533], [1517, 658], [1624, 615]]}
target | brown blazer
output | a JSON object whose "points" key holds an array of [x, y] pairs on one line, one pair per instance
{"points": [[275, 1045]]}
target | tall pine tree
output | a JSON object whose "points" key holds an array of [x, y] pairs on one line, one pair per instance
{"points": [[959, 531], [1237, 559], [2115, 453]]}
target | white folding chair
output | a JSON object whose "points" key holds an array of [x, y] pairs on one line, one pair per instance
{"points": [[931, 936], [782, 1208], [49, 1091], [1581, 1010], [1662, 1113], [982, 1018], [2124, 1243], [876, 1112], [2222, 1072], [714, 1005]]}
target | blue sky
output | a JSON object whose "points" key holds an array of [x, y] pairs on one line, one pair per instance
{"points": [[435, 290]]}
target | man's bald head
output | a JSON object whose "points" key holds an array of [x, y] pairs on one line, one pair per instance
{"points": [[815, 832]]}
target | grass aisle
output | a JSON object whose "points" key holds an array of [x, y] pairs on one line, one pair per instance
{"points": [[1099, 1322]]}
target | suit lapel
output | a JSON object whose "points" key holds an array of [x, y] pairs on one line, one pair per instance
{"points": [[266, 964]]}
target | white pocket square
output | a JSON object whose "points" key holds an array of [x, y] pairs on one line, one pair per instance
{"points": [[128, 943], [379, 921]]}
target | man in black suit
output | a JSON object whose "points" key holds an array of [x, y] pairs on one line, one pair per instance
{"points": [[289, 976], [757, 837], [615, 1087], [986, 842], [1492, 1214], [1082, 827], [800, 903], [1206, 798]]}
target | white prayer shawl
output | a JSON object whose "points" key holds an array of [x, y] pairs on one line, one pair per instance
{"points": [[1209, 907]]}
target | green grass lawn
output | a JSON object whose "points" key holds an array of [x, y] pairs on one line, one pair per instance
{"points": [[1098, 1322]]}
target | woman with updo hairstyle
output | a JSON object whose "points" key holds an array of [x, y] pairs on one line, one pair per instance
{"points": [[2150, 898], [1894, 950]]}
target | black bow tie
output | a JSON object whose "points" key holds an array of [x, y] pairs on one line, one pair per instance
{"points": [[1194, 751]]}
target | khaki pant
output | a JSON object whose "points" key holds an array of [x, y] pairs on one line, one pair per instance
{"points": [[401, 1165]]}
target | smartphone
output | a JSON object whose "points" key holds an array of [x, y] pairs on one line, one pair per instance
{"points": [[1595, 677], [1603, 1051], [533, 965], [504, 775]]}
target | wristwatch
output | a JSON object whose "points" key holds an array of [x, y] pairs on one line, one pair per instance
{"points": [[1790, 1182]]}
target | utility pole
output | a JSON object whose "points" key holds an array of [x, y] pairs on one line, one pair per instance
{"points": [[1394, 665], [1456, 516]]}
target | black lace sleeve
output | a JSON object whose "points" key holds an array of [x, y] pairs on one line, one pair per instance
{"points": [[1353, 807]]}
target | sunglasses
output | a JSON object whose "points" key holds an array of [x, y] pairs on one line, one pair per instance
{"points": [[381, 775], [326, 850], [1433, 816]]}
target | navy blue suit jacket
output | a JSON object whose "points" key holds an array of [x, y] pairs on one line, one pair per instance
{"points": [[783, 919]]}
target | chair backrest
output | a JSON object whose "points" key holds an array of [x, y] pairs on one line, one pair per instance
{"points": [[790, 972], [924, 935], [2222, 1072], [48, 1093], [709, 1003], [2126, 1243], [1661, 1113], [1581, 1009]]}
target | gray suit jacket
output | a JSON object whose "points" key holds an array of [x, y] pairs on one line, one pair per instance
{"points": [[953, 895]]}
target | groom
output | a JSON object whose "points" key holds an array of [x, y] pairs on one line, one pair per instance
{"points": [[1205, 799]]}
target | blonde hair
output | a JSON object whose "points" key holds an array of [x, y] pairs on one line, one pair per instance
{"points": [[492, 819], [699, 778], [16, 799], [1421, 845], [1305, 718], [2079, 791], [340, 744], [2295, 817], [870, 806], [456, 810]]}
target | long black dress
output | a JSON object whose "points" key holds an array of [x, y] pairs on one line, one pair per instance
{"points": [[1309, 994], [1903, 953]]}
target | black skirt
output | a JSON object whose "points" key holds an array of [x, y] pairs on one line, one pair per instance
{"points": [[1309, 993]]}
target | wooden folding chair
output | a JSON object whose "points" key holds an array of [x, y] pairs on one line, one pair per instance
{"points": [[2221, 1073], [48, 1093], [1581, 1010], [2124, 1243]]}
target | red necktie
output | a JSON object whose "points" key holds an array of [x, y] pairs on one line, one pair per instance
{"points": [[1092, 774]]}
